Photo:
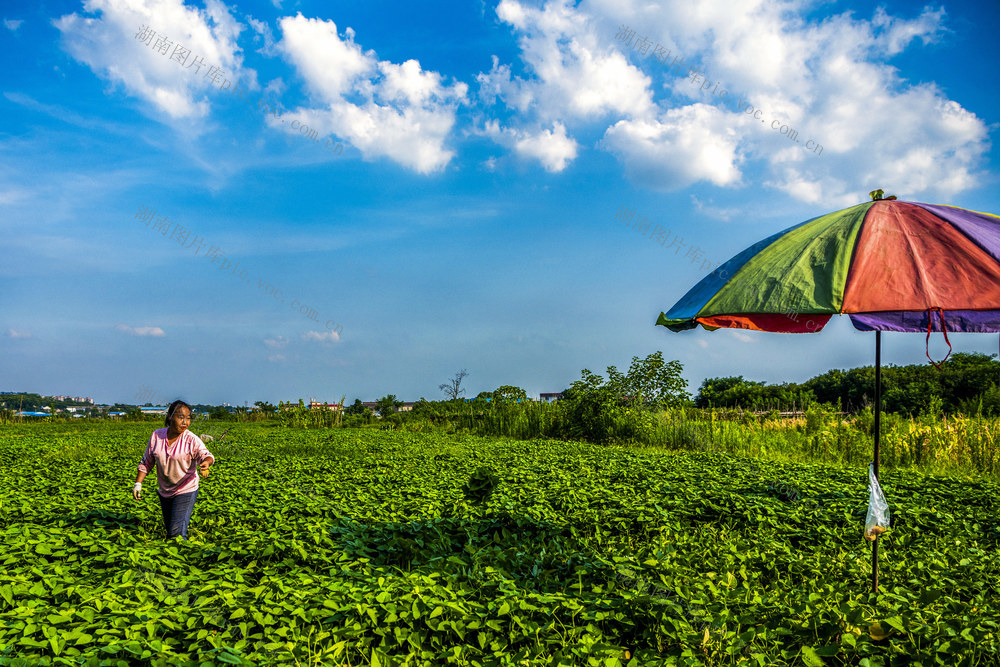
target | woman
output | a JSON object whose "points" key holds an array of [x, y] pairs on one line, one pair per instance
{"points": [[175, 452]]}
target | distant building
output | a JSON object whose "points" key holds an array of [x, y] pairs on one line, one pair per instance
{"points": [[550, 397], [319, 405], [373, 406], [154, 410], [77, 399]]}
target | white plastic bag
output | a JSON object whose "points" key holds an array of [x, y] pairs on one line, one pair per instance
{"points": [[877, 521]]}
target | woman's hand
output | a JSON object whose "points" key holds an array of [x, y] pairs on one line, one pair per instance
{"points": [[137, 490], [204, 466]]}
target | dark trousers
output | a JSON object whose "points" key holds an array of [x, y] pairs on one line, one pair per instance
{"points": [[177, 512]]}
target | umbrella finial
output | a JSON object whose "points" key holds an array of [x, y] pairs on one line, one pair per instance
{"points": [[877, 195]]}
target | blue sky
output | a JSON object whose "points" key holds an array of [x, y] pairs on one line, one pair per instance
{"points": [[453, 198]]}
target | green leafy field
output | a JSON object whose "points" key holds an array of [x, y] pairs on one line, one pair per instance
{"points": [[362, 547]]}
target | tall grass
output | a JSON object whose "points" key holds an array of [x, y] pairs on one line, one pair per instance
{"points": [[945, 444], [953, 444]]}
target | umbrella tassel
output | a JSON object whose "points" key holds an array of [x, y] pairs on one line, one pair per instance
{"points": [[944, 330]]}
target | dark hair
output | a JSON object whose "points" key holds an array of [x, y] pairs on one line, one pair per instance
{"points": [[173, 408]]}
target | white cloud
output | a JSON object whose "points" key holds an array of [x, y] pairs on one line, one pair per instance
{"points": [[276, 358], [577, 73], [552, 147], [685, 145], [140, 331], [12, 24], [321, 336], [276, 343], [877, 129], [826, 79], [898, 33], [384, 109], [109, 46], [264, 33], [19, 333], [573, 75]]}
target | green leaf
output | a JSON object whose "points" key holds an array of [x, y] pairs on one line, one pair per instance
{"points": [[896, 622], [811, 658], [7, 593]]}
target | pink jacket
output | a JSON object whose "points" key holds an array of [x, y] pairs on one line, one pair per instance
{"points": [[176, 465]]}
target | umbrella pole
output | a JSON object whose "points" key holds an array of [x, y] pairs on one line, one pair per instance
{"points": [[878, 440]]}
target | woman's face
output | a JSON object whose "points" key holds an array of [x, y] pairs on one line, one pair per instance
{"points": [[180, 420]]}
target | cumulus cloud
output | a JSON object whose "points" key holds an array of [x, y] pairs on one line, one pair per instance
{"points": [[19, 333], [851, 122], [12, 24], [576, 71], [156, 72], [683, 146], [552, 147], [829, 80], [321, 336], [574, 75], [140, 331], [384, 109], [276, 358]]}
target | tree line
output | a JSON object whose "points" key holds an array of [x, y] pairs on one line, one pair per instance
{"points": [[966, 383]]}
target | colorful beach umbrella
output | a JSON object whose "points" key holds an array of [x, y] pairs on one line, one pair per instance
{"points": [[889, 265]]}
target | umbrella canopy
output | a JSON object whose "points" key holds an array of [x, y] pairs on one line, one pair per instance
{"points": [[889, 265]]}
